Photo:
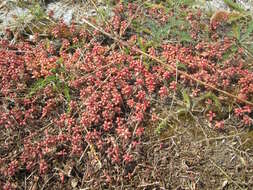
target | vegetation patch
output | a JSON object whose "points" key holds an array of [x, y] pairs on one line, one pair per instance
{"points": [[157, 95]]}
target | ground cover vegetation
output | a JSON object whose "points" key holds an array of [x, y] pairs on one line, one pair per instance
{"points": [[81, 110]]}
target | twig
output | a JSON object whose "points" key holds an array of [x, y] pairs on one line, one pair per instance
{"points": [[149, 184], [218, 138], [174, 93], [222, 171], [44, 185], [203, 131]]}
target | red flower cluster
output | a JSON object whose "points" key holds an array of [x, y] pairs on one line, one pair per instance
{"points": [[73, 94]]}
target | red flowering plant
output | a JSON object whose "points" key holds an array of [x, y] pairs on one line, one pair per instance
{"points": [[111, 103], [78, 102]]}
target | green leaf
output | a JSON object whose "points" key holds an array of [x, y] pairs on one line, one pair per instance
{"points": [[182, 111], [235, 16], [162, 125], [158, 32], [153, 5], [211, 96], [42, 83], [236, 31], [181, 66], [250, 48], [248, 31], [141, 44], [67, 96], [37, 11], [184, 36], [37, 86], [233, 5], [186, 99], [126, 50], [66, 93], [216, 100], [250, 28]]}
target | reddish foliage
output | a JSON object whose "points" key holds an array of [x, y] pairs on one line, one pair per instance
{"points": [[111, 92]]}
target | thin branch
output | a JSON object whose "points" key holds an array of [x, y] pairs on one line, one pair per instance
{"points": [[228, 177]]}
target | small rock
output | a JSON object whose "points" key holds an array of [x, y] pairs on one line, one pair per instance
{"points": [[224, 184], [220, 5], [74, 182], [67, 17]]}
